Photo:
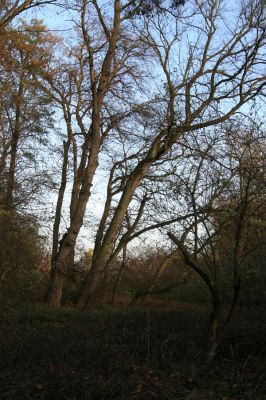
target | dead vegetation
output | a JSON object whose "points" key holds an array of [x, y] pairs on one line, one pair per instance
{"points": [[122, 354]]}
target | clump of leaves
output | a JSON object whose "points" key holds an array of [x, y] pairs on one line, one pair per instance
{"points": [[151, 7]]}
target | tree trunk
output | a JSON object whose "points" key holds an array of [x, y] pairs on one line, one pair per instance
{"points": [[215, 326], [56, 290], [91, 283], [118, 277], [105, 250], [69, 240], [59, 205]]}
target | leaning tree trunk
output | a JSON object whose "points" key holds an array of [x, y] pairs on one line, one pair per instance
{"points": [[57, 280], [119, 273], [105, 249], [151, 285], [102, 256], [66, 249], [80, 194]]}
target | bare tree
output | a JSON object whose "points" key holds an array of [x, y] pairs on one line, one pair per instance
{"points": [[211, 68], [223, 238], [106, 63]]}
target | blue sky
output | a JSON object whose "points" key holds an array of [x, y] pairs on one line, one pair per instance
{"points": [[54, 17]]}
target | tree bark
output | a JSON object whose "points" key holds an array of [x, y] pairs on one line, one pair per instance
{"points": [[118, 277], [59, 205], [56, 290], [215, 325]]}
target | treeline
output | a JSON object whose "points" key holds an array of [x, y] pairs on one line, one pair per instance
{"points": [[165, 99]]}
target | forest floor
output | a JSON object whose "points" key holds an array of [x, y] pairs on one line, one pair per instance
{"points": [[130, 354]]}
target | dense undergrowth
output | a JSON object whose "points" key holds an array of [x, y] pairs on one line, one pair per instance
{"points": [[128, 354]]}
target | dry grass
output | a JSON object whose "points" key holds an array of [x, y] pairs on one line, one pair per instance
{"points": [[119, 354]]}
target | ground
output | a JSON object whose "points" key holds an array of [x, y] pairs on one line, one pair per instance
{"points": [[130, 354]]}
